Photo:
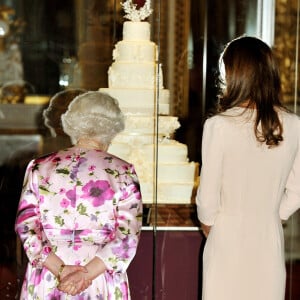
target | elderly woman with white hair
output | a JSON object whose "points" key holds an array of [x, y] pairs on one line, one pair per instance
{"points": [[79, 216]]}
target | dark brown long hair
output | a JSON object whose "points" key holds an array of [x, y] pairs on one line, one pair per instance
{"points": [[252, 78]]}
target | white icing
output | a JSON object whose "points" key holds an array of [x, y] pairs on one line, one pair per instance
{"points": [[145, 125], [171, 153], [169, 193], [168, 152], [129, 51], [136, 31], [147, 138], [134, 75], [184, 172], [140, 101], [129, 139], [173, 169]]}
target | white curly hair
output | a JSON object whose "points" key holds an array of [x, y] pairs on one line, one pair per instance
{"points": [[93, 115]]}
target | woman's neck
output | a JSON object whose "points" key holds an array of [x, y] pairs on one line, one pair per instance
{"points": [[247, 104], [91, 144]]}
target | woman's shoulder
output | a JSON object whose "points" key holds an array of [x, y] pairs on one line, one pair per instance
{"points": [[113, 164], [227, 117], [44, 158], [107, 159], [118, 159], [214, 126], [95, 155], [289, 117]]}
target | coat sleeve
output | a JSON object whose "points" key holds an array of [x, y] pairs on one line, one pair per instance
{"points": [[28, 225], [118, 253], [208, 194], [291, 198]]}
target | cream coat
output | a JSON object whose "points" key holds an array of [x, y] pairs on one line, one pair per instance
{"points": [[245, 190]]}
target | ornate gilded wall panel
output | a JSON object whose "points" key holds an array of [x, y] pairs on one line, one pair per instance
{"points": [[171, 32], [285, 47]]}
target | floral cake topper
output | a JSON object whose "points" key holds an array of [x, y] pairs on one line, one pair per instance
{"points": [[133, 13]]}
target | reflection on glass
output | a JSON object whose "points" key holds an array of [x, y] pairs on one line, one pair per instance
{"points": [[70, 44]]}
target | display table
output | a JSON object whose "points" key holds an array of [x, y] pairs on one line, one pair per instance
{"points": [[168, 261]]}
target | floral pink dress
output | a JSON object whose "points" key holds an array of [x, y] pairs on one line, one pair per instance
{"points": [[79, 204]]}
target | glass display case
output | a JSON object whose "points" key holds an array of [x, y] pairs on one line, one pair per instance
{"points": [[165, 81]]}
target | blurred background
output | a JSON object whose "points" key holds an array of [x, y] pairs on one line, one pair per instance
{"points": [[52, 45]]}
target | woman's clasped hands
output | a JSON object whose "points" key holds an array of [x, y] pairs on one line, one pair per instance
{"points": [[74, 280]]}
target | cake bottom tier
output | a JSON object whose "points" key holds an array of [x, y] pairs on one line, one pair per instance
{"points": [[168, 193]]}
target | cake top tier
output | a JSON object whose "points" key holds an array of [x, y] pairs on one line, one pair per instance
{"points": [[136, 31]]}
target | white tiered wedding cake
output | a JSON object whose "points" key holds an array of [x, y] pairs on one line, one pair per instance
{"points": [[135, 80]]}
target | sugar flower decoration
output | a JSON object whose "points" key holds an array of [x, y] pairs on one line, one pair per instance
{"points": [[134, 14]]}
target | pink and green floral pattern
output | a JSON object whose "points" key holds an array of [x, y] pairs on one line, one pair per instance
{"points": [[79, 204]]}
